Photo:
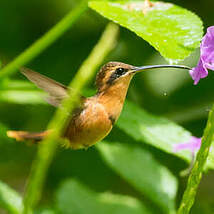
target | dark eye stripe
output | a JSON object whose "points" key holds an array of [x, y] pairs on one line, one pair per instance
{"points": [[116, 74]]}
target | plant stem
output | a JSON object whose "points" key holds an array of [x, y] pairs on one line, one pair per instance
{"points": [[41, 44], [196, 174], [48, 146]]}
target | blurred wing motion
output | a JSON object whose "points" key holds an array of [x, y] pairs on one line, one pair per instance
{"points": [[56, 91]]}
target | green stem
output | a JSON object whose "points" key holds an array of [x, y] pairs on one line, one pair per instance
{"points": [[41, 44], [196, 174], [48, 146]]}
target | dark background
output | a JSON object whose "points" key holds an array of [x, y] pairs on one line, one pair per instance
{"points": [[167, 93]]}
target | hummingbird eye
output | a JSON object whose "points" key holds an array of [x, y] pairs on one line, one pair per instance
{"points": [[120, 71], [116, 74]]}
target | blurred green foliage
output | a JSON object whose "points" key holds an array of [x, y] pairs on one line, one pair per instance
{"points": [[71, 194], [9, 199], [166, 93], [126, 159]]}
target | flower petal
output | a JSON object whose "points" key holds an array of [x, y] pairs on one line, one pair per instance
{"points": [[200, 71], [193, 145], [207, 48], [206, 60]]}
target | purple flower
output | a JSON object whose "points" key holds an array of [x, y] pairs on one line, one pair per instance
{"points": [[206, 60], [193, 145]]}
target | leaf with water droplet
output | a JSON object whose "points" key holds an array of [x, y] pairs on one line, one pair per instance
{"points": [[173, 31]]}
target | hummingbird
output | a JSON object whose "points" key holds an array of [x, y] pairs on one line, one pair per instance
{"points": [[95, 116]]}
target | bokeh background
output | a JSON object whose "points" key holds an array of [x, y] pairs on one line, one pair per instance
{"points": [[167, 93]]}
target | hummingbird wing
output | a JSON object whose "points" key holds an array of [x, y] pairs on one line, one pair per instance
{"points": [[56, 91]]}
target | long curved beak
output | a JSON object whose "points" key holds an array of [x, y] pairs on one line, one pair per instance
{"points": [[141, 68]]}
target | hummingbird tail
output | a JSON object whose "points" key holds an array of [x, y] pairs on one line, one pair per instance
{"points": [[22, 135]]}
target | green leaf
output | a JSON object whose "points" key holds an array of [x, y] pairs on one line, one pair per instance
{"points": [[17, 85], [73, 197], [141, 170], [21, 92], [156, 131], [173, 31], [22, 97], [10, 199]]}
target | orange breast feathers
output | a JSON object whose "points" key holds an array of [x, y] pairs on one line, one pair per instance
{"points": [[89, 125]]}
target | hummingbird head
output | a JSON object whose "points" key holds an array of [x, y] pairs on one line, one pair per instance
{"points": [[114, 73]]}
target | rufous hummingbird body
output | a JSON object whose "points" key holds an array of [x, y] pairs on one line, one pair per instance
{"points": [[96, 115]]}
